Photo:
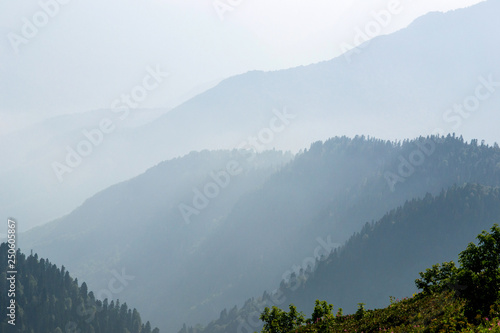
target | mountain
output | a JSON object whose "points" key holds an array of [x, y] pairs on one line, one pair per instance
{"points": [[382, 260], [48, 299], [267, 217], [398, 86]]}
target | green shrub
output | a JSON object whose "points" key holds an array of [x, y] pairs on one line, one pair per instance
{"points": [[477, 279], [278, 321]]}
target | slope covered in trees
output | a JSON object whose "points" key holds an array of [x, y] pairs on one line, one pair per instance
{"points": [[48, 299], [327, 192], [382, 259], [464, 298]]}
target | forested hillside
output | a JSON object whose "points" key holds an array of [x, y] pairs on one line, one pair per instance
{"points": [[381, 260], [455, 298], [49, 300]]}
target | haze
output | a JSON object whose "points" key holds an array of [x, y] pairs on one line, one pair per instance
{"points": [[91, 52]]}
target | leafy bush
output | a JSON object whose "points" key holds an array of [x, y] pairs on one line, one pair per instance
{"points": [[322, 310], [477, 279], [361, 311], [279, 321]]}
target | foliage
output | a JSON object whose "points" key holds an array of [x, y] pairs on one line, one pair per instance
{"points": [[436, 278], [360, 313], [426, 312], [279, 321], [322, 310], [477, 279], [480, 272]]}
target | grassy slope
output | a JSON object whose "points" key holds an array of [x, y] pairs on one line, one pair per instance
{"points": [[443, 312]]}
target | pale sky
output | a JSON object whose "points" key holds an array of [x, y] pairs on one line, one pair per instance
{"points": [[89, 52]]}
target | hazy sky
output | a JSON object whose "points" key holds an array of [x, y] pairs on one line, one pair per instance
{"points": [[86, 54]]}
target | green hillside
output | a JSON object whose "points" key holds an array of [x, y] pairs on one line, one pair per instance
{"points": [[381, 260], [439, 312], [454, 299]]}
